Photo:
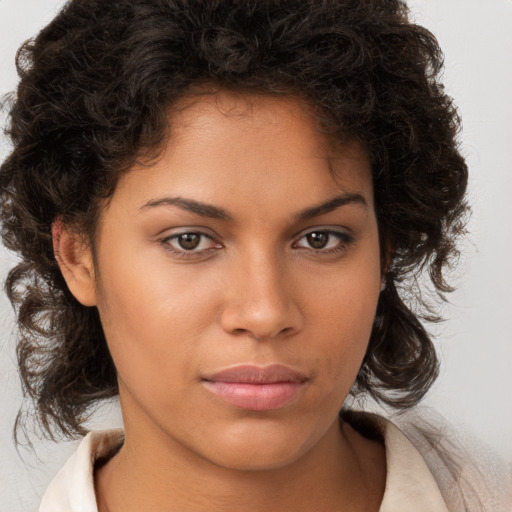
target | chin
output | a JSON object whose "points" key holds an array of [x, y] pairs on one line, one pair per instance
{"points": [[259, 449]]}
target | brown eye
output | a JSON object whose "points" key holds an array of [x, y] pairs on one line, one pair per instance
{"points": [[189, 241], [318, 240]]}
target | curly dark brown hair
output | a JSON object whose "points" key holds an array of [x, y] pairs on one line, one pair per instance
{"points": [[96, 85]]}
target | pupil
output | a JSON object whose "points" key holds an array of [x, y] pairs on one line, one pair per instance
{"points": [[318, 240], [189, 241]]}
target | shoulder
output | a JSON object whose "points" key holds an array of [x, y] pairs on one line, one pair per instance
{"points": [[420, 445], [471, 476]]}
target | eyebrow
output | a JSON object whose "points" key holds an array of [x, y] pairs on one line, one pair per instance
{"points": [[214, 212], [199, 208], [332, 204]]}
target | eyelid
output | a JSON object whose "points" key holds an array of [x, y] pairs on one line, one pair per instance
{"points": [[180, 229]]}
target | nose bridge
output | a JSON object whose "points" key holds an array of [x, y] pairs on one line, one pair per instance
{"points": [[260, 300]]}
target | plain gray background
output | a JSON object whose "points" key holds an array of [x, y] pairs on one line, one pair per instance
{"points": [[475, 387]]}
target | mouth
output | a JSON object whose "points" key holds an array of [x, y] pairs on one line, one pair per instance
{"points": [[256, 388]]}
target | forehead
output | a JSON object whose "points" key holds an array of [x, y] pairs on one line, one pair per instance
{"points": [[246, 145], [260, 114]]}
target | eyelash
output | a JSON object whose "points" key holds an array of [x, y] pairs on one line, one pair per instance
{"points": [[345, 241]]}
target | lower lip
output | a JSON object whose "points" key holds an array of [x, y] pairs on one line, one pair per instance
{"points": [[256, 397]]}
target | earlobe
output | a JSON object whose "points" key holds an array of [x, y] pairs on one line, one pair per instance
{"points": [[75, 261]]}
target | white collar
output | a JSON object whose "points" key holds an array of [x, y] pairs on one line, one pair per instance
{"points": [[409, 483]]}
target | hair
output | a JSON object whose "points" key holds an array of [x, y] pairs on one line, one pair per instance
{"points": [[95, 88]]}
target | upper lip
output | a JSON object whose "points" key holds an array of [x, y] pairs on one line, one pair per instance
{"points": [[252, 374]]}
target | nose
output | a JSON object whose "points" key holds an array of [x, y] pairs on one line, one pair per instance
{"points": [[260, 299]]}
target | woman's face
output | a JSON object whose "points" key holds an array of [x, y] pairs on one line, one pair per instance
{"points": [[237, 280]]}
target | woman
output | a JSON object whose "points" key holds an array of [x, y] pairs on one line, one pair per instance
{"points": [[217, 206]]}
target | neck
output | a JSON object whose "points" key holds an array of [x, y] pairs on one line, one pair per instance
{"points": [[160, 474]]}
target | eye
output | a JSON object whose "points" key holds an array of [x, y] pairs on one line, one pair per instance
{"points": [[324, 240], [190, 243]]}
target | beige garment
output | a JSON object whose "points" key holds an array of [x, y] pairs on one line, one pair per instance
{"points": [[410, 486]]}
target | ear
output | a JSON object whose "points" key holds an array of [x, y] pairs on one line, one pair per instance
{"points": [[75, 261]]}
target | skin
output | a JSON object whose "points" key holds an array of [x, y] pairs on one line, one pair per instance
{"points": [[254, 291]]}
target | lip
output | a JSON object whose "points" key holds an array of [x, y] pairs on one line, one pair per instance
{"points": [[256, 388]]}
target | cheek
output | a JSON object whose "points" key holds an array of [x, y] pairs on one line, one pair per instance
{"points": [[343, 318], [152, 319], [346, 338]]}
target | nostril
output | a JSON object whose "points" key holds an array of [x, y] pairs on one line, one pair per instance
{"points": [[262, 334]]}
